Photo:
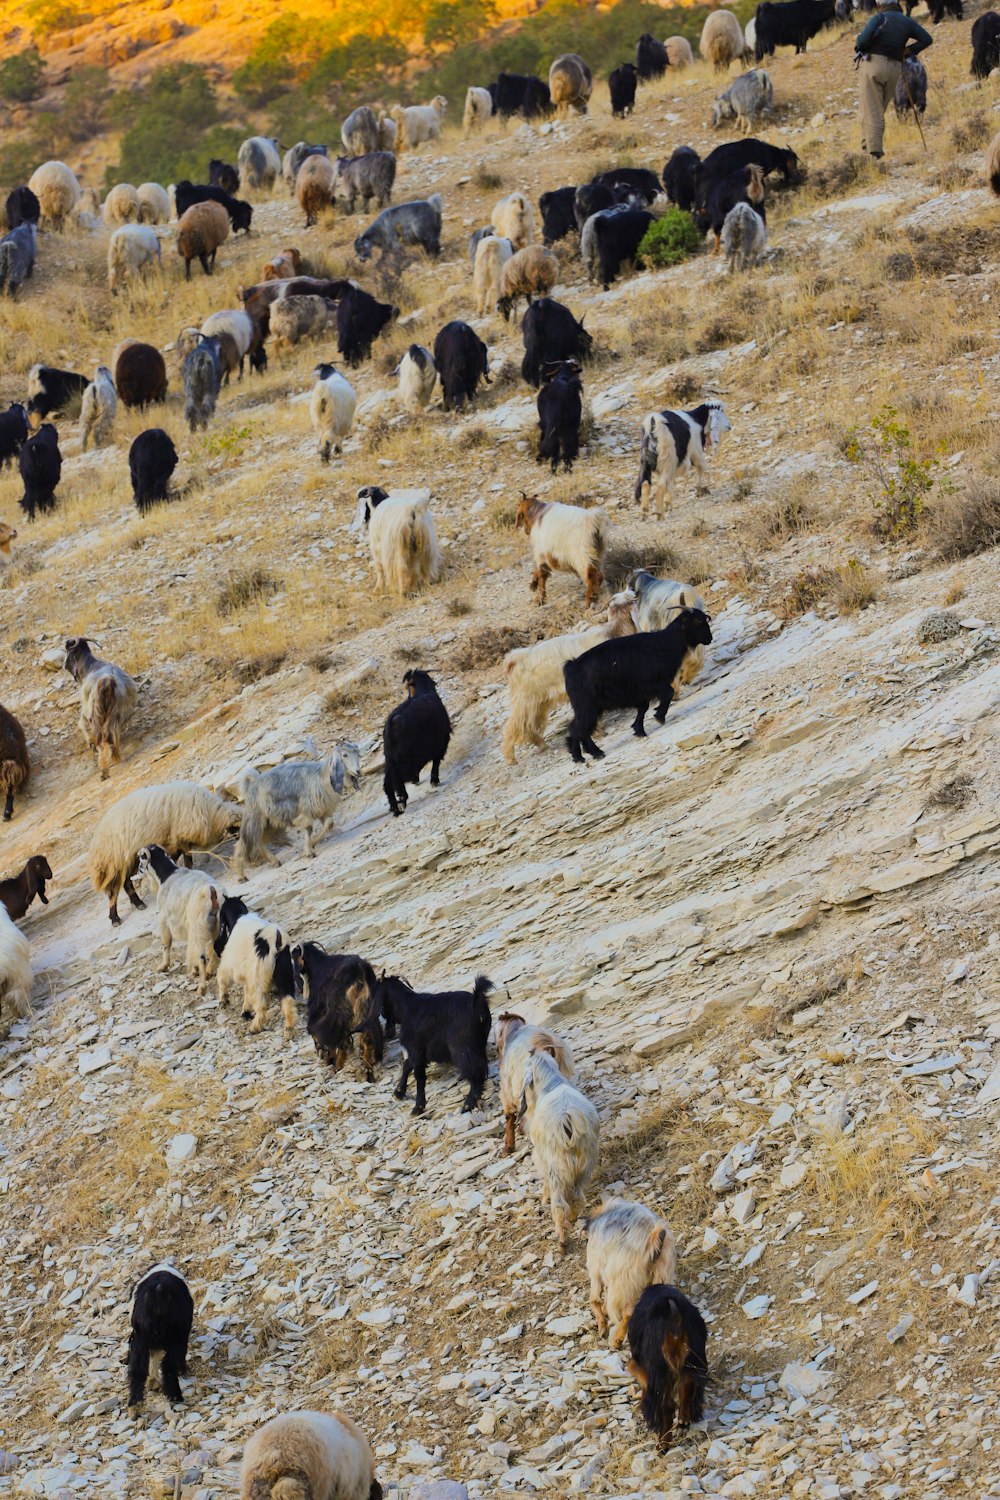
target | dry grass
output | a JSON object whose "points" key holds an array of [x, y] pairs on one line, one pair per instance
{"points": [[627, 551], [964, 523], [770, 523], [869, 1176], [955, 792], [243, 588], [488, 645], [848, 587], [972, 132]]}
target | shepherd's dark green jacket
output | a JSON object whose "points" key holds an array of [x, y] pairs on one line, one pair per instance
{"points": [[888, 33]]}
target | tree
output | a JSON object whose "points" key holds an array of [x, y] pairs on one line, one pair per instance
{"points": [[452, 23], [21, 76]]}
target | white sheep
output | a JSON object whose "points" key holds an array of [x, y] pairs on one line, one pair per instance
{"points": [[121, 206], [514, 219], [87, 212], [401, 537], [492, 254], [564, 539], [259, 164], [331, 408], [15, 967], [628, 1249], [659, 602], [178, 815], [679, 54], [418, 123], [565, 1137], [97, 409], [187, 912], [721, 40], [535, 674], [417, 374], [130, 250], [308, 1455], [516, 1041], [531, 272], [107, 700], [248, 961], [478, 108], [154, 203], [387, 133], [240, 328], [296, 794], [57, 191]]}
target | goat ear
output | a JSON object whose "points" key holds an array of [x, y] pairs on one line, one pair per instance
{"points": [[655, 1244]]}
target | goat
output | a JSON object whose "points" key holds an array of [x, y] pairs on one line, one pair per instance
{"points": [[560, 411], [250, 960], [516, 1043], [565, 1138], [667, 1337], [15, 762], [187, 911], [658, 603], [162, 1314], [107, 698], [564, 538], [15, 968], [448, 1027], [674, 441], [296, 794], [338, 989], [628, 1248], [416, 732], [401, 537], [282, 975], [309, 1455], [17, 893]]}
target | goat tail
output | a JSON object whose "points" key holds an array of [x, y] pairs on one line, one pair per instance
{"points": [[12, 775], [598, 532], [483, 987], [251, 831]]}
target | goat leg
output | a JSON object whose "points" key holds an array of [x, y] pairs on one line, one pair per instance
{"points": [[404, 1078], [638, 727], [8, 810], [131, 894], [420, 1078], [663, 705], [435, 773]]}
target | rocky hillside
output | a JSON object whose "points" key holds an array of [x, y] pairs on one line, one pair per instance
{"points": [[768, 930]]}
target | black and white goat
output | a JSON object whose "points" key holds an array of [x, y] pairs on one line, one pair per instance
{"points": [[448, 1027], [416, 733], [673, 441], [162, 1314], [255, 955]]}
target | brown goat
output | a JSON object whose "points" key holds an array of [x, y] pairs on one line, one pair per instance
{"points": [[7, 535], [287, 264], [18, 893], [15, 764]]}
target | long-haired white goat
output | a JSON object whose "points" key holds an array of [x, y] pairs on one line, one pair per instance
{"points": [[658, 603], [628, 1249], [565, 1137], [516, 1041], [401, 537], [564, 539], [296, 794], [535, 674], [15, 967], [309, 1455], [107, 698], [187, 911]]}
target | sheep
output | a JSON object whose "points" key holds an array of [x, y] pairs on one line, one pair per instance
{"points": [[558, 218], [250, 961], [680, 177], [15, 762], [240, 213], [202, 372], [416, 223], [187, 911], [57, 191], [331, 409], [564, 1130], [360, 320], [747, 99], [514, 219], [178, 815], [570, 84], [243, 332], [611, 238], [564, 538], [993, 165], [13, 432], [296, 794], [292, 162], [667, 1337], [419, 122], [87, 213], [140, 374], [628, 1249], [8, 534], [221, 174], [314, 187], [462, 360], [679, 54], [550, 332], [338, 989], [722, 40], [388, 130], [360, 131], [97, 410], [492, 254], [535, 676], [365, 177], [130, 250], [452, 1027], [985, 51], [560, 411], [744, 237], [629, 672], [40, 463], [107, 700], [154, 203], [478, 109], [417, 731], [531, 272], [309, 1455], [621, 86], [22, 207], [152, 460], [911, 90], [401, 537], [51, 391], [121, 206], [674, 441], [282, 267], [201, 229], [16, 977], [162, 1314], [651, 59], [296, 318], [259, 164], [417, 375], [791, 24], [658, 603], [17, 893], [17, 258], [516, 1043]]}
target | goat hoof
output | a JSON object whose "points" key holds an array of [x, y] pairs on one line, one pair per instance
{"points": [[399, 1093], [639, 733], [418, 1109]]}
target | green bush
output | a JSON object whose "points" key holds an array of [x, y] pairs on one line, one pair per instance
{"points": [[85, 104], [453, 23], [21, 76], [48, 16], [669, 239], [172, 128]]}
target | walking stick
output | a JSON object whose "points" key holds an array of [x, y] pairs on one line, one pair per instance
{"points": [[916, 116]]}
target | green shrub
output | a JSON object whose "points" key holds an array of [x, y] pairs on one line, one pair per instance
{"points": [[453, 23], [48, 16], [897, 480], [171, 128], [21, 76], [669, 239]]}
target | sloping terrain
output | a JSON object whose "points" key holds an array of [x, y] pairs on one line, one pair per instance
{"points": [[768, 930]]}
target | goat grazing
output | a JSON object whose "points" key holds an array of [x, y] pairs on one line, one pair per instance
{"points": [[338, 989], [560, 412], [360, 320], [448, 1027], [40, 463], [97, 410], [492, 254], [401, 537], [747, 100], [674, 441], [15, 763], [550, 333], [680, 177], [628, 1249], [462, 361], [295, 794], [331, 409], [15, 967], [256, 958], [162, 1314], [517, 1042], [985, 47], [564, 1129], [564, 539], [667, 1337], [744, 237], [417, 375], [17, 893], [187, 911], [309, 1455], [152, 460], [107, 698], [416, 732], [531, 272]]}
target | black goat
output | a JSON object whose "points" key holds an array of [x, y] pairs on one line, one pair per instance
{"points": [[651, 60], [22, 207], [13, 432], [592, 198], [221, 174], [560, 411], [450, 1027], [550, 333], [360, 320], [733, 155], [152, 459], [339, 990], [462, 361], [558, 218], [667, 1337], [521, 94], [416, 732], [985, 47], [50, 390], [162, 1314], [680, 177], [240, 213], [40, 463], [617, 238], [283, 978], [791, 24], [635, 185], [746, 185], [940, 8], [629, 672], [621, 86], [18, 893]]}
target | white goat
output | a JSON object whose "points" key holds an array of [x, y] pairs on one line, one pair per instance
{"points": [[628, 1249], [673, 441], [107, 699], [564, 539], [417, 377], [331, 408], [492, 254], [659, 602], [513, 218], [15, 967], [187, 911], [419, 122], [97, 409], [535, 674], [565, 1136], [516, 1041], [247, 962], [478, 108], [297, 794], [401, 537]]}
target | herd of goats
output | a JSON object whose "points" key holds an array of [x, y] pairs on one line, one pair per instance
{"points": [[651, 644]]}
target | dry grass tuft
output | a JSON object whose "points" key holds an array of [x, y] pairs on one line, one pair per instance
{"points": [[626, 552], [848, 587], [255, 668], [242, 588], [971, 133], [456, 608], [501, 512], [488, 645], [774, 520], [869, 1176], [952, 793], [962, 524], [851, 171], [487, 181]]}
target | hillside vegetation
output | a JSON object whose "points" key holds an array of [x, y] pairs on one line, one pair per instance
{"points": [[768, 930]]}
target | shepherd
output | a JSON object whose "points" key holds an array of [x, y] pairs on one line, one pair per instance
{"points": [[888, 38]]}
